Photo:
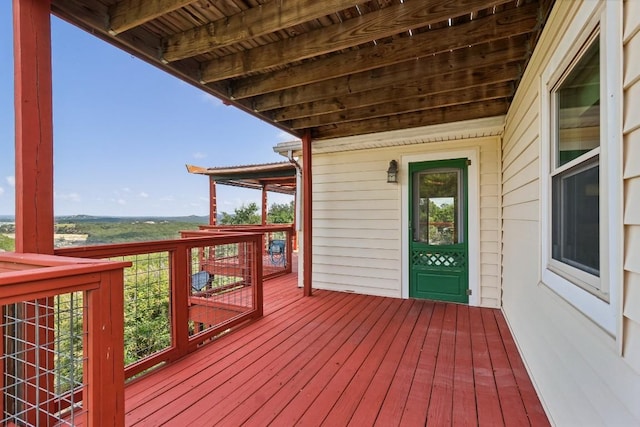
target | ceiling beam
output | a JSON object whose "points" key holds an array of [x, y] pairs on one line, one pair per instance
{"points": [[499, 52], [127, 14], [362, 29], [438, 84], [427, 102], [258, 21], [430, 117], [501, 25]]}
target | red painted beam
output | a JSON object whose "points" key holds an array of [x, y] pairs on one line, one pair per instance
{"points": [[34, 126], [306, 215]]}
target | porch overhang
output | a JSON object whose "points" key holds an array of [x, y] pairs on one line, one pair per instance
{"points": [[276, 177], [332, 69]]}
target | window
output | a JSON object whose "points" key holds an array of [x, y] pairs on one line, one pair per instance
{"points": [[575, 198], [581, 185]]}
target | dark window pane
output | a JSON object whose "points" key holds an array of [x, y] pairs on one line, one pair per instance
{"points": [[578, 108], [576, 217]]}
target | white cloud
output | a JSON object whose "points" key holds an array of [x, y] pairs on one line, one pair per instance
{"points": [[126, 190], [210, 99], [11, 180], [72, 197], [1, 191], [143, 195], [166, 199], [283, 136], [121, 202], [199, 155]]}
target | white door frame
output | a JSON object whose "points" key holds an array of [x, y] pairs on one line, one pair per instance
{"points": [[473, 200]]}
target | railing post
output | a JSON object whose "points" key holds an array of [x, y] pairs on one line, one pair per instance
{"points": [[257, 277], [104, 366], [180, 282]]}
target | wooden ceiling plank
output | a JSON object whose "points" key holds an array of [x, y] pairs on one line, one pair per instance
{"points": [[500, 52], [255, 22], [439, 100], [511, 23], [375, 25], [127, 14], [405, 121], [443, 83]]}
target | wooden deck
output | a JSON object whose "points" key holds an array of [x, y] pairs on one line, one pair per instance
{"points": [[345, 359]]}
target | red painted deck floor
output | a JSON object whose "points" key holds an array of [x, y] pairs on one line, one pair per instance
{"points": [[340, 359]]}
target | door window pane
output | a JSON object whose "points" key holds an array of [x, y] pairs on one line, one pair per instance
{"points": [[437, 194]]}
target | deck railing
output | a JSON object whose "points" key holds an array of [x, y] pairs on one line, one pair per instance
{"points": [[61, 341], [181, 293], [277, 244]]}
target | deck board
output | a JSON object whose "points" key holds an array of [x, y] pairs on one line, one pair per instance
{"points": [[346, 359]]}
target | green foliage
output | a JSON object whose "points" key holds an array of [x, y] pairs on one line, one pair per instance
{"points": [[7, 243], [119, 232], [248, 214], [242, 215], [147, 328], [280, 213]]}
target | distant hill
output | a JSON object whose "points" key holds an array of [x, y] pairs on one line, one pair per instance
{"points": [[74, 230], [128, 219], [91, 218]]}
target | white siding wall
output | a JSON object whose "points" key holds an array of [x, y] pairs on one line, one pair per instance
{"points": [[357, 243], [575, 365], [631, 174]]}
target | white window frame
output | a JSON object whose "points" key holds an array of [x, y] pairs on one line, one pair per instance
{"points": [[597, 298]]}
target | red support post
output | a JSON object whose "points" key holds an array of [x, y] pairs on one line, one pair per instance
{"points": [[264, 205], [213, 203], [34, 126], [33, 107], [306, 215]]}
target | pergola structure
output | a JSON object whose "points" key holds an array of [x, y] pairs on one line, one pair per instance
{"points": [[275, 177], [316, 69]]}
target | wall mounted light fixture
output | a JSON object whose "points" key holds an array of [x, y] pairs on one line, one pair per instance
{"points": [[392, 172]]}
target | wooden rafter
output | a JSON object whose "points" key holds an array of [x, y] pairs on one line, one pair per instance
{"points": [[127, 14], [501, 90], [441, 115], [497, 53], [502, 25], [366, 28], [443, 83], [270, 17]]}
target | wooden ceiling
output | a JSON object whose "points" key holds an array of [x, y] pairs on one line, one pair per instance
{"points": [[332, 67]]}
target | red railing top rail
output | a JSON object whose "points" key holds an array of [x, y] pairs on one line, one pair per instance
{"points": [[26, 276], [136, 248], [249, 227]]}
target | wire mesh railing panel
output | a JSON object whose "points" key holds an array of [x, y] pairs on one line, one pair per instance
{"points": [[43, 360], [147, 310], [221, 285]]}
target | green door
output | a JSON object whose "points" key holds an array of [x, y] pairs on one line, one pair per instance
{"points": [[438, 221]]}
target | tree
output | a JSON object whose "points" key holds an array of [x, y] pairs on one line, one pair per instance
{"points": [[242, 215], [280, 213]]}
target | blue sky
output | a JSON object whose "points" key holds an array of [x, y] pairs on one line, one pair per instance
{"points": [[124, 130]]}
